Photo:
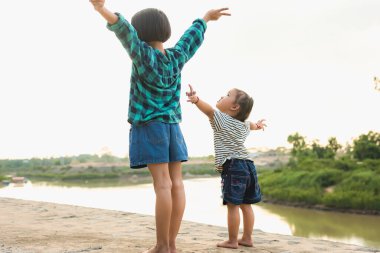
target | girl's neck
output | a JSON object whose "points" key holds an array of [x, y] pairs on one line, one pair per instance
{"points": [[157, 45]]}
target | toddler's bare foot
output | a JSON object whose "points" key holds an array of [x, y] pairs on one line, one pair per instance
{"points": [[246, 243], [228, 244]]}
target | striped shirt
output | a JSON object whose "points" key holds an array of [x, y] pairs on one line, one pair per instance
{"points": [[229, 137], [156, 78]]}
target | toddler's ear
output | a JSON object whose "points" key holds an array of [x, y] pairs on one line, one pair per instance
{"points": [[235, 107]]}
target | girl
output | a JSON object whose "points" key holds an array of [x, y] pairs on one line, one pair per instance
{"points": [[155, 138]]}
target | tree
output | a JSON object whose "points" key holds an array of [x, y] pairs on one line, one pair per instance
{"points": [[332, 147], [327, 152], [300, 148], [367, 146], [318, 150]]}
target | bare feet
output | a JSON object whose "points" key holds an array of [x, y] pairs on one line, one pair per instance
{"points": [[228, 244], [157, 250], [172, 249], [246, 243]]}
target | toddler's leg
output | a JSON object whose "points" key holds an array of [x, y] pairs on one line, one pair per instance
{"points": [[162, 187], [233, 227], [178, 203], [248, 222]]}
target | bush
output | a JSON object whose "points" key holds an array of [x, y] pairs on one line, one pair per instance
{"points": [[357, 188], [296, 195], [345, 164], [352, 200], [361, 181]]}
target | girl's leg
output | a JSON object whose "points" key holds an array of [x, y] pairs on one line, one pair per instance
{"points": [[178, 202], [248, 221], [233, 227], [162, 187]]}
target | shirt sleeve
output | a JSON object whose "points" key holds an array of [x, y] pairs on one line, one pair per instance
{"points": [[248, 125], [126, 33], [192, 39], [218, 121]]}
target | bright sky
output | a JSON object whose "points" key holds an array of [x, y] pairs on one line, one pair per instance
{"points": [[309, 65]]}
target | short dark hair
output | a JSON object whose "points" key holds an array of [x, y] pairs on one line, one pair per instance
{"points": [[151, 25], [245, 102]]}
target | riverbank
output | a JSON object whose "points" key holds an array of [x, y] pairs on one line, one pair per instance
{"points": [[139, 179], [322, 208], [28, 226]]}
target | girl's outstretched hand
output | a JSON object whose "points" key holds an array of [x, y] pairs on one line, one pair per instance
{"points": [[215, 14], [98, 4], [191, 95]]}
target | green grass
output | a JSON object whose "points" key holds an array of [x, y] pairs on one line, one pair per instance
{"points": [[334, 184]]}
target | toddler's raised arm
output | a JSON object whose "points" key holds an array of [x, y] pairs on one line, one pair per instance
{"points": [[202, 106], [260, 125]]}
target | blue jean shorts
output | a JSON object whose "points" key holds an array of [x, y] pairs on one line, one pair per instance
{"points": [[239, 182], [156, 142]]}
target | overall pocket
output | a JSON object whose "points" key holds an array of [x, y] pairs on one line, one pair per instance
{"points": [[239, 184]]}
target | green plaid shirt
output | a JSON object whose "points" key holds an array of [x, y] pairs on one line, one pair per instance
{"points": [[156, 78]]}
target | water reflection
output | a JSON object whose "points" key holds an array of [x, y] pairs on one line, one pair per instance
{"points": [[350, 228], [100, 183], [204, 205]]}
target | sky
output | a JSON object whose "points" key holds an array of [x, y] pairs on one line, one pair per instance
{"points": [[309, 65]]}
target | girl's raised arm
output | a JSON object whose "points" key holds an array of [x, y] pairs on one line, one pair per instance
{"points": [[109, 16], [193, 37], [213, 15]]}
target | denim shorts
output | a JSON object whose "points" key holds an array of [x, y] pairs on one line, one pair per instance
{"points": [[239, 182], [156, 142]]}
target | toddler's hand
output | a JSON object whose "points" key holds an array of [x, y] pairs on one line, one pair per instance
{"points": [[215, 14], [260, 124], [191, 95]]}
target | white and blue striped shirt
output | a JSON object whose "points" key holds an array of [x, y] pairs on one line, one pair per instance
{"points": [[229, 137]]}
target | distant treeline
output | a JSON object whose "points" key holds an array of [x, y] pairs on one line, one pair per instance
{"points": [[59, 161], [328, 176], [64, 168], [86, 167]]}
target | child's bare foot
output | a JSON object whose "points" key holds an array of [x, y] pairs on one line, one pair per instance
{"points": [[228, 244], [246, 243], [172, 250], [157, 250]]}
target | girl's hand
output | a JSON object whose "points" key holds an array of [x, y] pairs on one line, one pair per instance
{"points": [[98, 4], [215, 14], [260, 124], [191, 95]]}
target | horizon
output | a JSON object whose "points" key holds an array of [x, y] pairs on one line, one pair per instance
{"points": [[108, 151]]}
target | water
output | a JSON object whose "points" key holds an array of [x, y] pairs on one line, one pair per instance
{"points": [[204, 205]]}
